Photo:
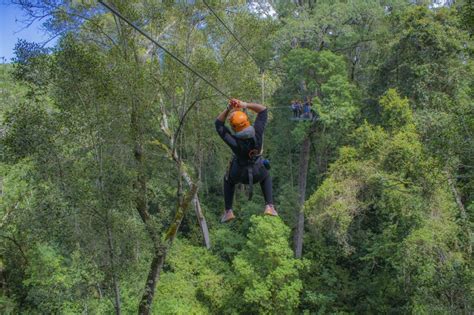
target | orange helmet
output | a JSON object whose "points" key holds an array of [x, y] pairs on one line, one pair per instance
{"points": [[239, 121]]}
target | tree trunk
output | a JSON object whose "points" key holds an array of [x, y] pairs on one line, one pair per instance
{"points": [[189, 181], [151, 281], [142, 208], [110, 244], [161, 251], [303, 173], [160, 247], [198, 210], [202, 221], [140, 183], [457, 197], [462, 210]]}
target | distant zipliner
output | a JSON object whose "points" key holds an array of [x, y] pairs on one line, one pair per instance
{"points": [[303, 111]]}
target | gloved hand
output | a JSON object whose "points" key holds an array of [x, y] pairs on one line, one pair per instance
{"points": [[236, 104]]}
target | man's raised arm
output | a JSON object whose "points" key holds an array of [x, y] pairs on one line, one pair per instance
{"points": [[252, 106]]}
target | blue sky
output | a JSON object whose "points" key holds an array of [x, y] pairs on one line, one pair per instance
{"points": [[12, 29]]}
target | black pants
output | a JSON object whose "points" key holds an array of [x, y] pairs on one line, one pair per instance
{"points": [[239, 174]]}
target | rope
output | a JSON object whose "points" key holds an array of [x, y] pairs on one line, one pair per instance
{"points": [[114, 11]]}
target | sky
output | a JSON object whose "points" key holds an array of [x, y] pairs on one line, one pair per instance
{"points": [[12, 28]]}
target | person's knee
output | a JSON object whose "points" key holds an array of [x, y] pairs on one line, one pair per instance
{"points": [[229, 181]]}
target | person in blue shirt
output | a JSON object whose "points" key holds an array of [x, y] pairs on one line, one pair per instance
{"points": [[295, 108], [306, 110]]}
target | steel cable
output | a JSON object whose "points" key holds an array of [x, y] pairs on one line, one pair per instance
{"points": [[118, 14]]}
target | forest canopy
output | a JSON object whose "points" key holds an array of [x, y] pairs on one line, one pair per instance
{"points": [[112, 170]]}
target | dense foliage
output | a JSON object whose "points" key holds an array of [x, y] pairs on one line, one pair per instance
{"points": [[108, 145]]}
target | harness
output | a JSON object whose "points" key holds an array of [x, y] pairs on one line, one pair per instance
{"points": [[253, 157], [250, 173]]}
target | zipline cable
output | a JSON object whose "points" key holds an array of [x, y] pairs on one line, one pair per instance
{"points": [[262, 70], [118, 14], [233, 35]]}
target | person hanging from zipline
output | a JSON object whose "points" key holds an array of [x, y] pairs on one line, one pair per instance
{"points": [[247, 165]]}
